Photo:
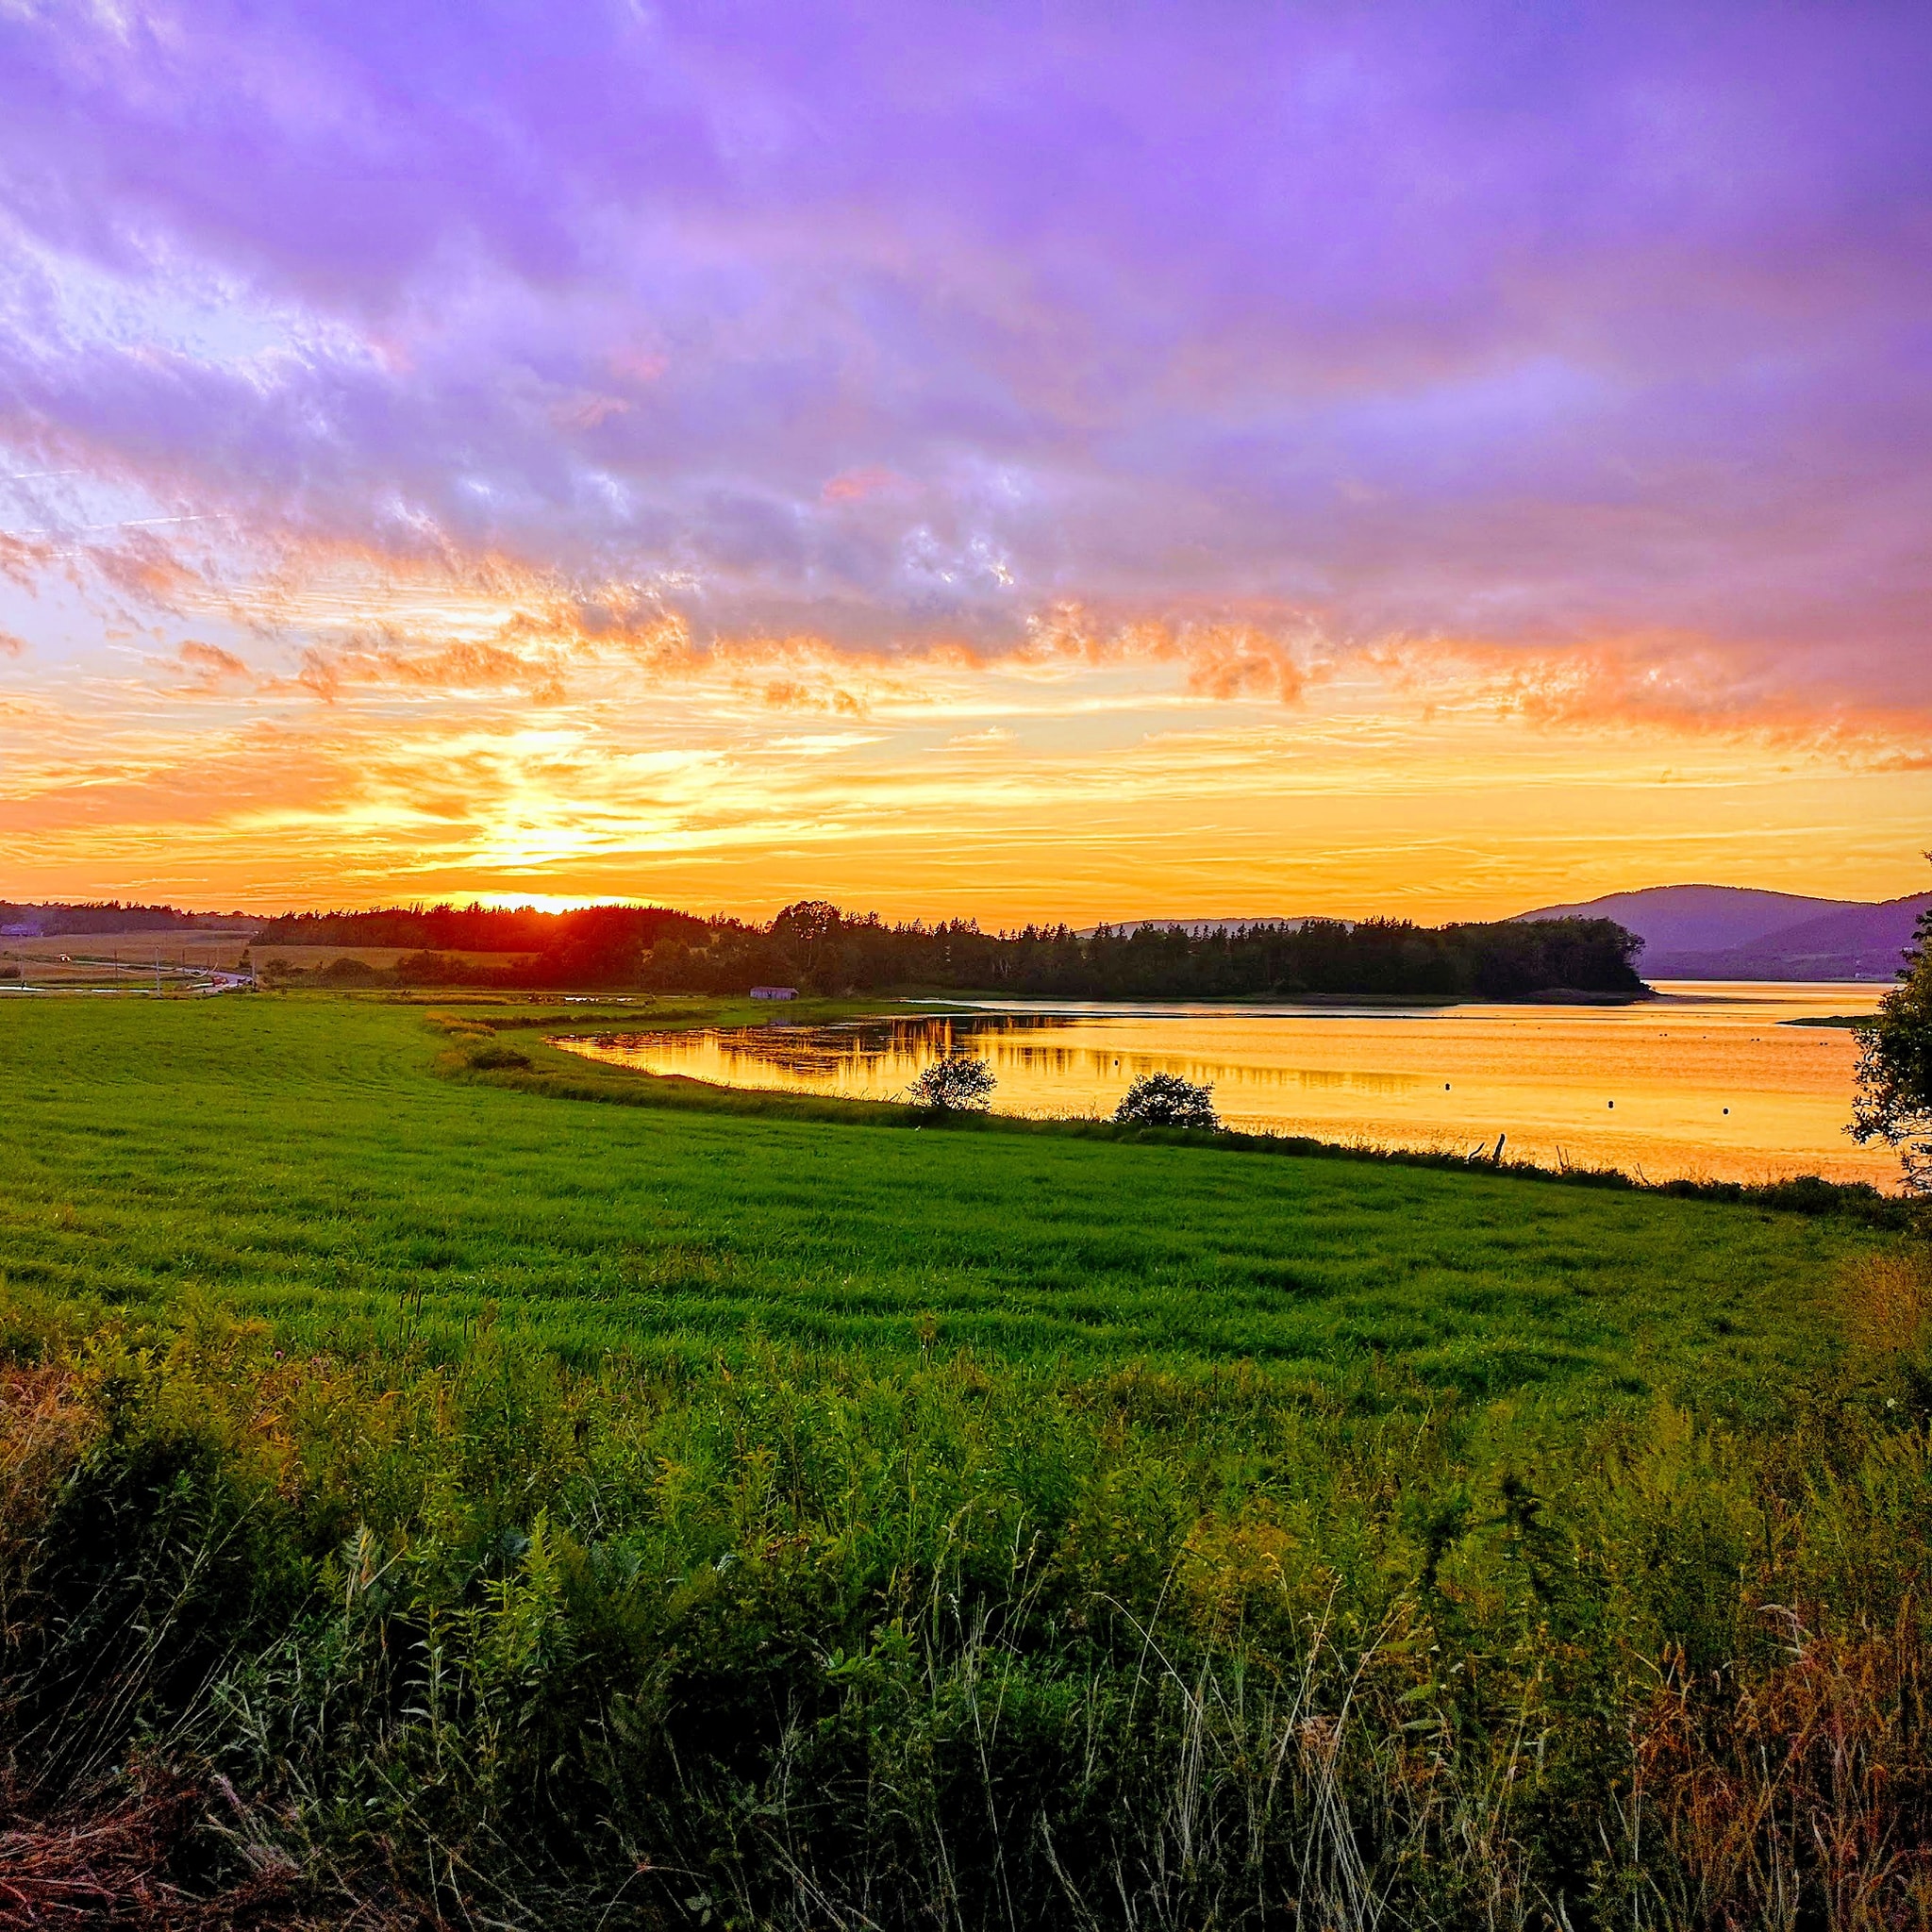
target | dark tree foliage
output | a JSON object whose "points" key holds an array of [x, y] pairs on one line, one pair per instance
{"points": [[1894, 1098], [595, 945], [349, 971], [110, 915], [1167, 1100], [477, 928], [960, 1080], [824, 950], [815, 946]]}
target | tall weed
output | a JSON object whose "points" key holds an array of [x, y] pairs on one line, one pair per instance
{"points": [[796, 1641]]}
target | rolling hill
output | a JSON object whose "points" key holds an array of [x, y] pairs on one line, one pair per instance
{"points": [[1735, 932]]}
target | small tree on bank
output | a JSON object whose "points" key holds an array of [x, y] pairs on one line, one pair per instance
{"points": [[1895, 1097], [958, 1082], [1166, 1100]]}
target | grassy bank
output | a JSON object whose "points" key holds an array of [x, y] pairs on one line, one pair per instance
{"points": [[420, 1495], [305, 1161]]}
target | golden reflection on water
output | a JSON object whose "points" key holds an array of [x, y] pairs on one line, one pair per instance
{"points": [[1709, 1082]]}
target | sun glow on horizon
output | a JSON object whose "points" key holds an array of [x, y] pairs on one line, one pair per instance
{"points": [[297, 768], [769, 478]]}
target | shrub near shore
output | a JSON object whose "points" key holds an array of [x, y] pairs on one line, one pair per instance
{"points": [[802, 1642]]}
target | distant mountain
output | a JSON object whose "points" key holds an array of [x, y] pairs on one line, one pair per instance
{"points": [[1734, 932], [1866, 943], [1699, 919]]}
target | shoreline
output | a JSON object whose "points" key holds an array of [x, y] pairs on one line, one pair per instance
{"points": [[588, 1078]]}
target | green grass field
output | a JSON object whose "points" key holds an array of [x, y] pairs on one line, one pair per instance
{"points": [[434, 1496], [303, 1159]]}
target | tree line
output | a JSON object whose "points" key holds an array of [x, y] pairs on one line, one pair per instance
{"points": [[51, 920], [592, 946], [818, 948]]}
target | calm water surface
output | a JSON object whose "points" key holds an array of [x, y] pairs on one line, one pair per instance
{"points": [[1708, 1082]]}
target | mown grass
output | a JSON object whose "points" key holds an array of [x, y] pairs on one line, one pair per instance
{"points": [[304, 1160], [426, 1498]]}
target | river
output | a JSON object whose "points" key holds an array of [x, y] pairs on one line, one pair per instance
{"points": [[1708, 1081]]}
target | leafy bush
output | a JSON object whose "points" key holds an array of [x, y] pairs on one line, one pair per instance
{"points": [[10, 971], [349, 971], [496, 1058], [960, 1080], [1166, 1100]]}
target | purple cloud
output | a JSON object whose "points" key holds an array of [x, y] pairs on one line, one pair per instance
{"points": [[1533, 326]]}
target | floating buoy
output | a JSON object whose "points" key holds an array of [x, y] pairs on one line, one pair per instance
{"points": [[1728, 1109], [1609, 1102]]}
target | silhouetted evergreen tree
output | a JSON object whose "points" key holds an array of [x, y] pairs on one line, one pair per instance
{"points": [[819, 949]]}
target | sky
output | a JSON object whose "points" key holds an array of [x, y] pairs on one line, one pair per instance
{"points": [[1019, 462]]}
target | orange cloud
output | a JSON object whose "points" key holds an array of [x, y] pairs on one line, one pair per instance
{"points": [[856, 486], [1359, 799], [1674, 685], [1224, 661], [465, 724], [789, 694], [143, 564], [469, 622], [24, 560], [213, 663]]}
